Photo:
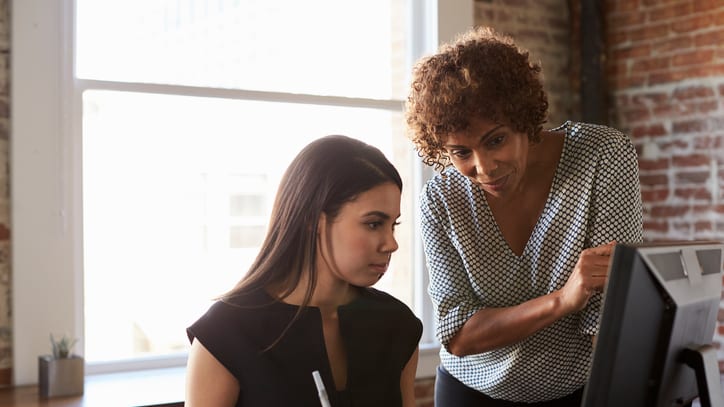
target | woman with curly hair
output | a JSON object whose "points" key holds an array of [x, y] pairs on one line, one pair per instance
{"points": [[518, 225]]}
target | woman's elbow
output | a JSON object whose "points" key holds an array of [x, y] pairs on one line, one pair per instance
{"points": [[456, 347]]}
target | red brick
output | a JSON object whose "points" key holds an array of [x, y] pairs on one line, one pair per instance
{"points": [[706, 5], [670, 11], [653, 130], [657, 226], [689, 126], [614, 38], [667, 110], [693, 193], [6, 376], [654, 179], [706, 106], [707, 143], [617, 69], [650, 98], [622, 100], [697, 57], [649, 32], [659, 2], [702, 71], [628, 82], [666, 77], [689, 178], [625, 20], [677, 144], [631, 51], [709, 38], [653, 165], [681, 227], [636, 115], [703, 226], [692, 23], [668, 211], [655, 195], [691, 160], [650, 64], [675, 44], [703, 209], [4, 232], [693, 92], [622, 5]]}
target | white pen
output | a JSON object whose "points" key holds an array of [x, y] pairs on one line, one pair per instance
{"points": [[321, 389]]}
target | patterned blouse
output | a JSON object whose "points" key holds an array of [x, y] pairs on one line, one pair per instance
{"points": [[594, 198]]}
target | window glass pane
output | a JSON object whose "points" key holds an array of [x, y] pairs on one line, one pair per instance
{"points": [[176, 195], [325, 47]]}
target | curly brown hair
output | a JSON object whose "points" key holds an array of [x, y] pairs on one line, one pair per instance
{"points": [[481, 74]]}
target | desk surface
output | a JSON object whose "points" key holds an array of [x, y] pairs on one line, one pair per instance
{"points": [[146, 388]]}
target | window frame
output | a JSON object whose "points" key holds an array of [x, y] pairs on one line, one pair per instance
{"points": [[45, 167]]}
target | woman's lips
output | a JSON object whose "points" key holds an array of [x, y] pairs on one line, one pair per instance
{"points": [[379, 267], [496, 185]]}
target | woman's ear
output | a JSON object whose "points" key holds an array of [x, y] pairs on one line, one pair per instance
{"points": [[322, 224]]}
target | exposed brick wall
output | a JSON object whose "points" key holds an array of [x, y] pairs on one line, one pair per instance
{"points": [[5, 299], [665, 69], [543, 27]]}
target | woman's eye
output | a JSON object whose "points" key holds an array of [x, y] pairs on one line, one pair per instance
{"points": [[496, 140], [374, 225], [459, 153]]}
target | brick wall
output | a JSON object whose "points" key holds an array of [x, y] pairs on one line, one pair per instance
{"points": [[665, 67], [544, 28], [5, 325]]}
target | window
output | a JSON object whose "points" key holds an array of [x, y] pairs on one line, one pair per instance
{"points": [[146, 191]]}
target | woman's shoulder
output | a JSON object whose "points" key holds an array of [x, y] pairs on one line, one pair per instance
{"points": [[598, 139], [594, 133], [376, 311], [246, 306], [373, 299], [381, 298], [447, 186]]}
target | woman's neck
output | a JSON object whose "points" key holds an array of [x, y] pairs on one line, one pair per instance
{"points": [[329, 293]]}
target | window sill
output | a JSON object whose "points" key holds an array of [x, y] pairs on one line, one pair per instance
{"points": [[143, 388]]}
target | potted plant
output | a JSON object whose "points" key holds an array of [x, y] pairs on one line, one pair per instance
{"points": [[62, 373]]}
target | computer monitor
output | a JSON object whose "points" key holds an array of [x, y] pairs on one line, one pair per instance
{"points": [[654, 346]]}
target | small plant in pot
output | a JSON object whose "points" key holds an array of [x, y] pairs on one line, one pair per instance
{"points": [[63, 346], [62, 373]]}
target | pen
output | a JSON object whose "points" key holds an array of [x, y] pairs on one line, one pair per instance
{"points": [[321, 389]]}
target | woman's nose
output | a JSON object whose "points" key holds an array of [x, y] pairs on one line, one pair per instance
{"points": [[483, 164], [390, 245]]}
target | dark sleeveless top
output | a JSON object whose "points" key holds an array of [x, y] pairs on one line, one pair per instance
{"points": [[380, 334]]}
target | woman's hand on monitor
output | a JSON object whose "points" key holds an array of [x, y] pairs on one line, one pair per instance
{"points": [[588, 276]]}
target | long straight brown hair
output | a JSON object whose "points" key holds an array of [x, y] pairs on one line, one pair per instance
{"points": [[326, 174]]}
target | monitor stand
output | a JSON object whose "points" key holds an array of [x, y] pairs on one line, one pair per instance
{"points": [[708, 379]]}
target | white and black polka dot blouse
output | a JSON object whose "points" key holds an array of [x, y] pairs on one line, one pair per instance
{"points": [[595, 198]]}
